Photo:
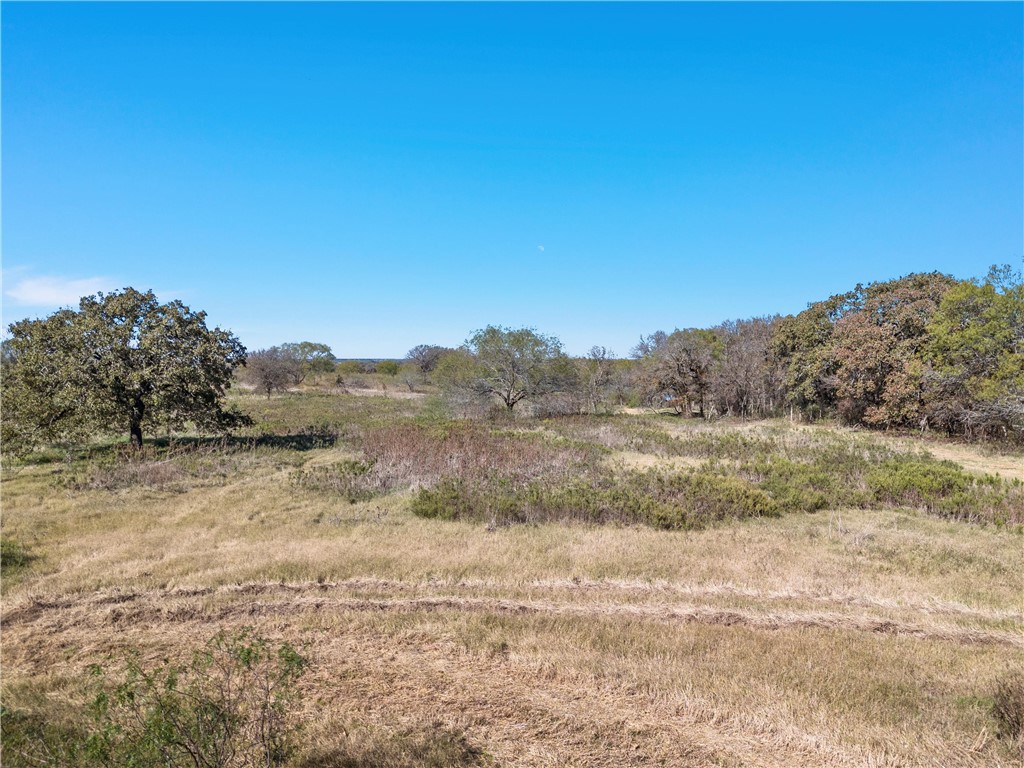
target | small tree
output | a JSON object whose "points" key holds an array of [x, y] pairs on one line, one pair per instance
{"points": [[272, 370], [388, 367], [425, 356], [123, 361], [507, 364], [310, 356]]}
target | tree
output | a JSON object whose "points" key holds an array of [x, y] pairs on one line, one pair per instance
{"points": [[312, 357], [272, 370], [683, 364], [802, 344], [510, 365], [595, 377], [123, 361], [388, 367], [747, 379], [975, 351], [425, 356], [858, 353], [876, 349]]}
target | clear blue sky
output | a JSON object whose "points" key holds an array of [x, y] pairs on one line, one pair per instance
{"points": [[376, 176]]}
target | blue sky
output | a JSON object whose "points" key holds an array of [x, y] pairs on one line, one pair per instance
{"points": [[376, 176]]}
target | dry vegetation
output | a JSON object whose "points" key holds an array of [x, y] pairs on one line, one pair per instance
{"points": [[866, 607]]}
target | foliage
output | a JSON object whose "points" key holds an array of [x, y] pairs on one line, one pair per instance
{"points": [[976, 354], [663, 500], [312, 357], [352, 479], [350, 368], [859, 353], [272, 370], [510, 365], [876, 350], [123, 361], [426, 356], [388, 367], [229, 707]]}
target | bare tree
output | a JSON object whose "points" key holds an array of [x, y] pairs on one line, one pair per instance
{"points": [[272, 370], [425, 356]]}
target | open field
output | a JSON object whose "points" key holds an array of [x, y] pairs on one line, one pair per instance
{"points": [[830, 597]]}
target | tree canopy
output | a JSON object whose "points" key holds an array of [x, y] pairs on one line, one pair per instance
{"points": [[311, 356], [123, 362], [510, 365]]}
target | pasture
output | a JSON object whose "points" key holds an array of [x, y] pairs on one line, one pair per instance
{"points": [[634, 589]]}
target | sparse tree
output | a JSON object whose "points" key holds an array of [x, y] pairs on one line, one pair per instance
{"points": [[312, 357], [595, 377], [425, 356], [683, 366], [123, 361], [747, 379], [272, 370], [510, 365]]}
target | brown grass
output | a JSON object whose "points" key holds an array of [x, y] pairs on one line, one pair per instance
{"points": [[845, 637]]}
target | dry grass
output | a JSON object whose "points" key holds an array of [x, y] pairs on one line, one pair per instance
{"points": [[845, 637]]}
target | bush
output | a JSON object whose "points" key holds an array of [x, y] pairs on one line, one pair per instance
{"points": [[686, 500], [915, 482], [1008, 707], [352, 479], [799, 487], [227, 708]]}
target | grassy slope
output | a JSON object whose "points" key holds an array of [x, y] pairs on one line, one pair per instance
{"points": [[843, 637]]}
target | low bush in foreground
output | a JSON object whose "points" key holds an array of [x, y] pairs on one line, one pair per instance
{"points": [[1008, 708], [229, 707]]}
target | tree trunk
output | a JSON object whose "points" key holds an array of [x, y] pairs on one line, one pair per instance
{"points": [[135, 423]]}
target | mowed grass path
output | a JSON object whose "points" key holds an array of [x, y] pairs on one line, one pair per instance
{"points": [[840, 637]]}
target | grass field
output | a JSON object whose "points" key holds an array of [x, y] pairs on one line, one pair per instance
{"points": [[606, 591]]}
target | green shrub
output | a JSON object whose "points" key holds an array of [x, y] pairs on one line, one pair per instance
{"points": [[448, 500], [687, 500], [31, 739], [916, 482], [352, 479], [229, 706], [800, 487], [696, 499]]}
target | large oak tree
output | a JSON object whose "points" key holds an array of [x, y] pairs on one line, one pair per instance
{"points": [[123, 362]]}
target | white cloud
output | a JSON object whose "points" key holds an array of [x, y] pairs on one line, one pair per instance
{"points": [[540, 248], [55, 291]]}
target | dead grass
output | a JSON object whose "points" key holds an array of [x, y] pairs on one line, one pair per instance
{"points": [[844, 637]]}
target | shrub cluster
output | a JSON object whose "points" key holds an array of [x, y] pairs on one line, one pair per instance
{"points": [[229, 707], [663, 500], [352, 479]]}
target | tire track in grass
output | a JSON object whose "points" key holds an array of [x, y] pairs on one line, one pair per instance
{"points": [[214, 604]]}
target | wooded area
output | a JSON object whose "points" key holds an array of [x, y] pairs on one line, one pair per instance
{"points": [[925, 351]]}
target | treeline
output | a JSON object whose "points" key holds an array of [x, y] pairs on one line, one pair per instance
{"points": [[925, 351]]}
